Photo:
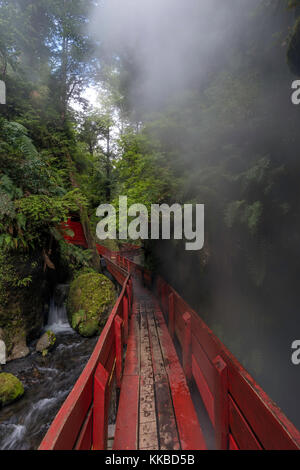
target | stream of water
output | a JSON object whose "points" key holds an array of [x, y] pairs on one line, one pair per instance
{"points": [[47, 382]]}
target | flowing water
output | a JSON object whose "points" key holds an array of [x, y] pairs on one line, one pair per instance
{"points": [[47, 381]]}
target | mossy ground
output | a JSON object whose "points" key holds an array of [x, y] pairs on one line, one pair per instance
{"points": [[90, 301], [10, 388]]}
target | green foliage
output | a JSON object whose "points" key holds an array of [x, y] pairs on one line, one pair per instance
{"points": [[75, 260], [30, 218], [144, 175]]}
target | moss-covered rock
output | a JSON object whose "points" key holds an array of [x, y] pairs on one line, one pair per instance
{"points": [[91, 298], [10, 388], [46, 343]]}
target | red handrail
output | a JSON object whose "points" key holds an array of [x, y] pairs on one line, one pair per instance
{"points": [[72, 427], [242, 414], [253, 421]]}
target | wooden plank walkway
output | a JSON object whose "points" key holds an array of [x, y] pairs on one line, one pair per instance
{"points": [[155, 409]]}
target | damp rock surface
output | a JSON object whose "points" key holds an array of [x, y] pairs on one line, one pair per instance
{"points": [[46, 342]]}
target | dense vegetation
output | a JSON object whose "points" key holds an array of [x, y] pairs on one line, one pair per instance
{"points": [[229, 140]]}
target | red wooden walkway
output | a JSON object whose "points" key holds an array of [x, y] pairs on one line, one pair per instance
{"points": [[155, 409], [136, 355]]}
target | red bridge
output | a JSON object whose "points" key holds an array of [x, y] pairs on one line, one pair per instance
{"points": [[157, 387]]}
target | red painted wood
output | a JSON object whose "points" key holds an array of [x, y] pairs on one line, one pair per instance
{"points": [[187, 346], [85, 439], [125, 317], [203, 363], [67, 424], [126, 436], [240, 429], [179, 328], [101, 406], [132, 353], [232, 444], [171, 316], [63, 432], [204, 390], [119, 350], [190, 432], [221, 410], [78, 238], [267, 421], [252, 412], [275, 431], [108, 350], [129, 294], [130, 291]]}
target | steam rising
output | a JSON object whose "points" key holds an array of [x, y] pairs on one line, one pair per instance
{"points": [[176, 46], [173, 44]]}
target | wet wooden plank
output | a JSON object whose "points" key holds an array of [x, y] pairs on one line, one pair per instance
{"points": [[190, 433], [148, 436], [132, 360], [147, 429], [167, 430], [168, 435], [126, 437]]}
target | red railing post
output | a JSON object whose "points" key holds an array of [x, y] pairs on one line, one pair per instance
{"points": [[119, 350], [171, 316], [221, 412], [101, 405], [187, 346], [125, 317], [129, 294]]}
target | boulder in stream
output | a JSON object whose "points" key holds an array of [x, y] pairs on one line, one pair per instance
{"points": [[19, 349], [10, 388], [46, 343], [90, 301]]}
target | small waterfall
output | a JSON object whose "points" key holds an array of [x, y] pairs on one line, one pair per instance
{"points": [[47, 380], [57, 318]]}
